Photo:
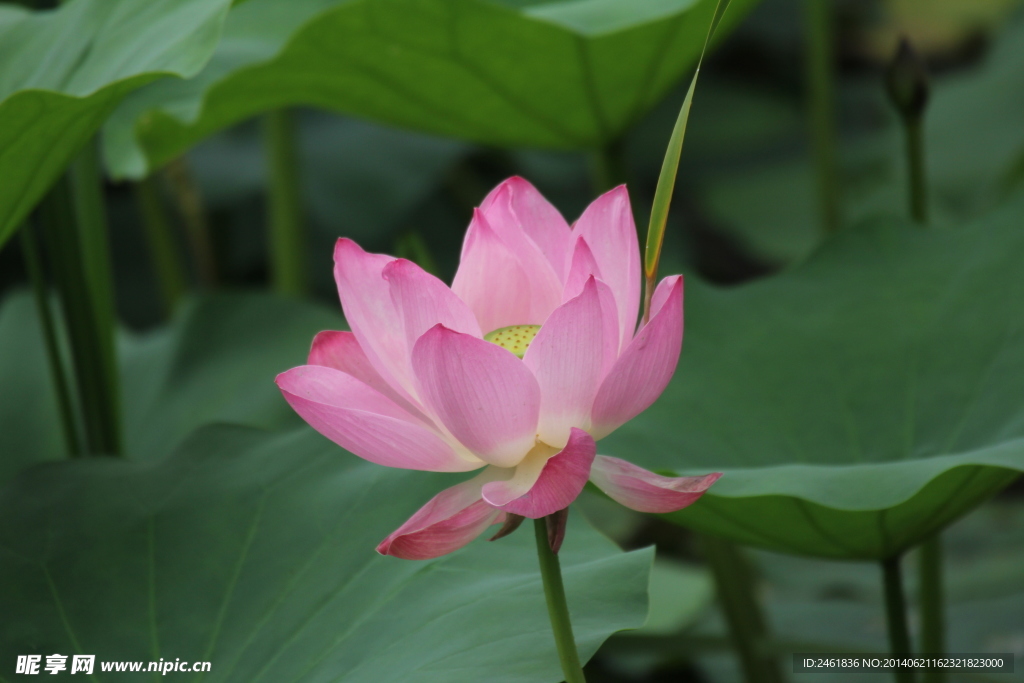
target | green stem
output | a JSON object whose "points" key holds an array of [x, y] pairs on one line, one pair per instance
{"points": [[558, 609], [170, 271], [821, 100], [189, 201], [287, 243], [57, 374], [918, 195], [734, 581], [607, 167], [896, 616], [76, 232], [933, 623]]}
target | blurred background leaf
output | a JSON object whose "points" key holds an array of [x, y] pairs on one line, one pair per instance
{"points": [[538, 74], [856, 403], [63, 72]]}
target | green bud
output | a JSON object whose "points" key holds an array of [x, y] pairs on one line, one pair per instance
{"points": [[906, 79]]}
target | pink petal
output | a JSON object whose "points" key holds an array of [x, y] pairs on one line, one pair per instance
{"points": [[423, 301], [663, 292], [484, 395], [362, 420], [568, 358], [645, 491], [371, 313], [645, 367], [492, 281], [450, 520], [608, 227], [527, 222], [554, 487], [582, 267], [341, 351]]}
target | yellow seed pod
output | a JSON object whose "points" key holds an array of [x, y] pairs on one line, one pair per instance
{"points": [[515, 338]]}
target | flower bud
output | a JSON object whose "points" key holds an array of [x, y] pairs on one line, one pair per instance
{"points": [[906, 79]]}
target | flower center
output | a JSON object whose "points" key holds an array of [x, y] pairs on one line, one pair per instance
{"points": [[514, 338]]}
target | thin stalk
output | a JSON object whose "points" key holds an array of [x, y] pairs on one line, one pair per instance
{"points": [[820, 85], [918, 194], [189, 201], [748, 629], [287, 239], [57, 374], [896, 616], [558, 609], [167, 262], [76, 230], [933, 622]]}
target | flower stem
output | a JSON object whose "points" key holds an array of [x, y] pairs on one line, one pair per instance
{"points": [[748, 629], [45, 313], [896, 615], [821, 102], [558, 609], [933, 623], [915, 165], [286, 233]]}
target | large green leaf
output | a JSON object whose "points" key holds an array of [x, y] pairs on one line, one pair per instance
{"points": [[562, 74], [63, 71], [256, 553], [215, 363], [856, 403]]}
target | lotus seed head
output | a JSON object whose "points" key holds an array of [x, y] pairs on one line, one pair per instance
{"points": [[514, 338]]}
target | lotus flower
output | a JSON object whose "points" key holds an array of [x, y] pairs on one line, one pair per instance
{"points": [[515, 371]]}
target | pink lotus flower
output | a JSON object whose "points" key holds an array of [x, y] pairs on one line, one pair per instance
{"points": [[516, 370]]}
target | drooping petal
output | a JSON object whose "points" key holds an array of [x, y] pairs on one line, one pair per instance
{"points": [[567, 357], [608, 227], [450, 520], [645, 491], [371, 313], [423, 301], [484, 395], [645, 367], [341, 351], [362, 420], [557, 484], [528, 223], [491, 280]]}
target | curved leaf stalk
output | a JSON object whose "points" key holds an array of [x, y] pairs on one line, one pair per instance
{"points": [[558, 609], [667, 176], [167, 262], [821, 109], [189, 201], [57, 372], [896, 616], [78, 243], [287, 239], [748, 630]]}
